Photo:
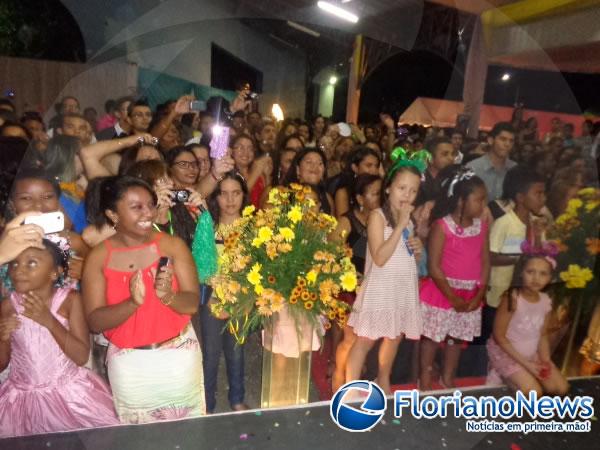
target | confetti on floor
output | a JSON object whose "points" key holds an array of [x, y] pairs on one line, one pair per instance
{"points": [[396, 422], [514, 446], [244, 436]]}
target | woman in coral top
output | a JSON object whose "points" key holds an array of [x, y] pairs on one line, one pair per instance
{"points": [[154, 360]]}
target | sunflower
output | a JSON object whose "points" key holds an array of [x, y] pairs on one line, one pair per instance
{"points": [[313, 296], [327, 325], [308, 305], [293, 300], [331, 315], [301, 282], [271, 279], [305, 296]]}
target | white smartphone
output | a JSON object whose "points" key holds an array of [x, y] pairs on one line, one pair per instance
{"points": [[52, 222]]}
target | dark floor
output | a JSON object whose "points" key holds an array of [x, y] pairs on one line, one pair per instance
{"points": [[310, 427]]}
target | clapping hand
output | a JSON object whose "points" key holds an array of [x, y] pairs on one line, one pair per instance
{"points": [[137, 289]]}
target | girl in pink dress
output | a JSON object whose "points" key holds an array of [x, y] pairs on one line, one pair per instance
{"points": [[44, 335], [519, 350], [387, 304], [458, 262]]}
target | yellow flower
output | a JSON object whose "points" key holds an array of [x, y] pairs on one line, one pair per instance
{"points": [[308, 305], [285, 248], [258, 289], [348, 281], [274, 196], [573, 205], [271, 250], [311, 277], [591, 205], [254, 275], [587, 191], [295, 214], [305, 296], [287, 233], [310, 202], [296, 186], [576, 277], [265, 234], [256, 242], [593, 246], [248, 210]]}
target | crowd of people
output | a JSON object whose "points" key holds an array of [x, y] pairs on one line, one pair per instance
{"points": [[435, 221]]}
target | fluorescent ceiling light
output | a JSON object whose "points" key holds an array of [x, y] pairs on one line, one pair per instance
{"points": [[337, 11], [304, 29]]}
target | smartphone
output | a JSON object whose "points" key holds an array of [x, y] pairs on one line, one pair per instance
{"points": [[219, 143], [162, 262], [197, 105], [52, 222]]}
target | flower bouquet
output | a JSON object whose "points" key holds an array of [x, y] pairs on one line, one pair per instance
{"points": [[279, 272], [575, 233], [280, 258]]}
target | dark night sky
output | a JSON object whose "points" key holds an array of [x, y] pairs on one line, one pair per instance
{"points": [[402, 78]]}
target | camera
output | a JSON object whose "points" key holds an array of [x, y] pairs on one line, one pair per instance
{"points": [[180, 196]]}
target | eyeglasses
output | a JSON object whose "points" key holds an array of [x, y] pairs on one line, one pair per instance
{"points": [[186, 164]]}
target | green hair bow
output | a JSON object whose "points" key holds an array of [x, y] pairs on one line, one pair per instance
{"points": [[401, 158]]}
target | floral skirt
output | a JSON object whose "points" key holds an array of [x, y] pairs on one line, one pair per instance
{"points": [[166, 383], [439, 323]]}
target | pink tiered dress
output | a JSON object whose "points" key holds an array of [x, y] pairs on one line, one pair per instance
{"points": [[46, 391]]}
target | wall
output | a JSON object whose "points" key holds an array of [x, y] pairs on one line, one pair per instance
{"points": [[186, 54]]}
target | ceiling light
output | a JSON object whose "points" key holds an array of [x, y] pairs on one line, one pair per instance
{"points": [[277, 112], [337, 11], [332, 79], [506, 77]]}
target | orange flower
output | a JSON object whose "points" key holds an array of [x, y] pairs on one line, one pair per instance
{"points": [[313, 296], [293, 300], [271, 279], [305, 296], [331, 315], [301, 282], [297, 291], [308, 305], [593, 246], [327, 325]]}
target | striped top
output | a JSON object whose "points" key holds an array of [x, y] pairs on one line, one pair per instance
{"points": [[387, 304]]}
